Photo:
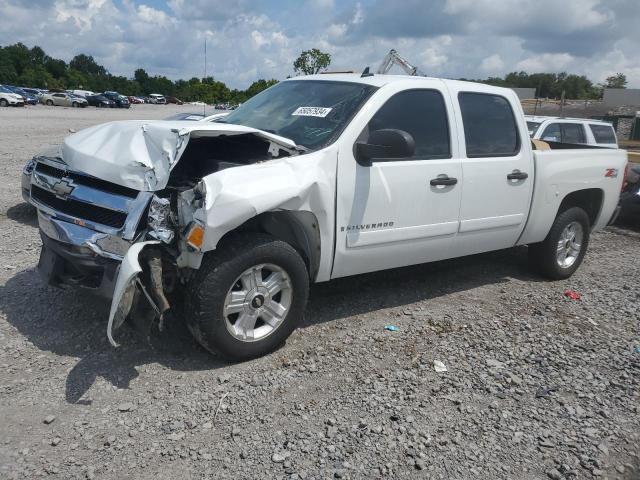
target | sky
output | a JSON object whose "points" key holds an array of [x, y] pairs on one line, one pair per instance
{"points": [[251, 39]]}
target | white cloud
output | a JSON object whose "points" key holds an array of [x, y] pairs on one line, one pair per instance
{"points": [[547, 62], [250, 39], [492, 65]]}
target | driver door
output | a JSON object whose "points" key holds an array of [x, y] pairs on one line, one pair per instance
{"points": [[396, 212]]}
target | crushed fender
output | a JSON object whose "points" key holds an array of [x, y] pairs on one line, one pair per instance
{"points": [[125, 289]]}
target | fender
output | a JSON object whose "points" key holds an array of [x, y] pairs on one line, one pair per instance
{"points": [[304, 183]]}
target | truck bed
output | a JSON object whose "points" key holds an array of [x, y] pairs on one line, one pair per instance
{"points": [[561, 170]]}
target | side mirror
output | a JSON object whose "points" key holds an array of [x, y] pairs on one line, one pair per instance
{"points": [[385, 144]]}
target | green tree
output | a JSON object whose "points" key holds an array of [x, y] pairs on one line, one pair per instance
{"points": [[86, 64], [259, 85], [619, 80], [57, 68], [311, 62], [8, 72]]}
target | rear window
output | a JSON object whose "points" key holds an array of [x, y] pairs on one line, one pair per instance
{"points": [[573, 133], [603, 133], [490, 128]]}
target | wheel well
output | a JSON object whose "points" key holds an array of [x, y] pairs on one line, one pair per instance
{"points": [[590, 200], [297, 228]]}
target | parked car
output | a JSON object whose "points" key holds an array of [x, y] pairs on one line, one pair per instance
{"points": [[174, 100], [100, 101], [134, 100], [36, 92], [630, 196], [10, 99], [82, 93], [63, 99], [157, 99], [313, 179], [29, 99], [120, 100], [579, 131]]}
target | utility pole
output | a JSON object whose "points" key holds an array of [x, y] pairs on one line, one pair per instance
{"points": [[204, 107]]}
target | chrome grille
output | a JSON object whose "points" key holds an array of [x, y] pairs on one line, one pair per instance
{"points": [[85, 200], [79, 210]]}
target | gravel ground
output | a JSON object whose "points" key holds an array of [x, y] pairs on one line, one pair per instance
{"points": [[538, 386]]}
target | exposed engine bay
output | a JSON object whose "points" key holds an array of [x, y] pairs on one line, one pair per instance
{"points": [[206, 155]]}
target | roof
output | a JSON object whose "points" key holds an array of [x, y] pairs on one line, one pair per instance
{"points": [[542, 118], [379, 80]]}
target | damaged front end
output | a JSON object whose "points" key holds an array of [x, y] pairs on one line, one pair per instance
{"points": [[123, 208]]}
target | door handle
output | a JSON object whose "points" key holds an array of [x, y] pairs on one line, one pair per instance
{"points": [[443, 179], [517, 175]]}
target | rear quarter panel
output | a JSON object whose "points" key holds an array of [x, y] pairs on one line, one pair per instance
{"points": [[561, 172]]}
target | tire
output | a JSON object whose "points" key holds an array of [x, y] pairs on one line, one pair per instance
{"points": [[74, 105], [545, 257], [50, 103], [3, 102], [220, 273]]}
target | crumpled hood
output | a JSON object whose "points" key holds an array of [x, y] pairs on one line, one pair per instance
{"points": [[140, 154]]}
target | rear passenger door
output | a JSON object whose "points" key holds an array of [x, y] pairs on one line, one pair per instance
{"points": [[565, 132], [59, 99], [497, 167]]}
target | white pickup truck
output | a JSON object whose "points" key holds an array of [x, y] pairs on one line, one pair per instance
{"points": [[316, 178], [580, 131]]}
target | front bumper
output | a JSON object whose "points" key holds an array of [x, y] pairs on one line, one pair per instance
{"points": [[65, 265], [76, 256]]}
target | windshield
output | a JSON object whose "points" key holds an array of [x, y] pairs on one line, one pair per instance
{"points": [[312, 113], [533, 127], [4, 89]]}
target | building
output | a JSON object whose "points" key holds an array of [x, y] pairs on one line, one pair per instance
{"points": [[622, 97]]}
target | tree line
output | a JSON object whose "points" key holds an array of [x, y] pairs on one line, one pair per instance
{"points": [[32, 67]]}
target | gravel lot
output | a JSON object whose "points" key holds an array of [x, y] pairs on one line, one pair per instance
{"points": [[538, 386]]}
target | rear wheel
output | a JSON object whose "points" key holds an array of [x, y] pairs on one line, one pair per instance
{"points": [[562, 252], [50, 103], [247, 297]]}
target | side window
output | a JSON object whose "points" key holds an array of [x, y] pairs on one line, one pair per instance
{"points": [[421, 113], [58, 95], [603, 133], [490, 128], [552, 133], [573, 133]]}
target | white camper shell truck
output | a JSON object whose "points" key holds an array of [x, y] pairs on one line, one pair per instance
{"points": [[316, 178], [577, 131]]}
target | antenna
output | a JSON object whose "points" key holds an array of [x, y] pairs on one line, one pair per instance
{"points": [[366, 73]]}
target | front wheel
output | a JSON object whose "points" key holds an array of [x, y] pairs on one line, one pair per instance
{"points": [[3, 102], [50, 103], [247, 297], [74, 105], [562, 252]]}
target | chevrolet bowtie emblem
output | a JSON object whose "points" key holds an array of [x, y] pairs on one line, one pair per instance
{"points": [[63, 188]]}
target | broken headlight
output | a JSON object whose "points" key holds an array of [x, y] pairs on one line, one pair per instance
{"points": [[159, 219], [28, 168]]}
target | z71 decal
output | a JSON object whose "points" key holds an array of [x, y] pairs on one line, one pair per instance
{"points": [[611, 173]]}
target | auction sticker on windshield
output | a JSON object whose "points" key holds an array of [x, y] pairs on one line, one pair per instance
{"points": [[311, 112]]}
